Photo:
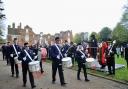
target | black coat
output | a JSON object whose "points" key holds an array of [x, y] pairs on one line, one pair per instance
{"points": [[23, 54], [54, 53], [126, 53], [79, 58]]}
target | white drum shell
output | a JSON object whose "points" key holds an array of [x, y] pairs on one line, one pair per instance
{"points": [[67, 62], [17, 61], [34, 66]]}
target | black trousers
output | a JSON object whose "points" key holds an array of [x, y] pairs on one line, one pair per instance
{"points": [[4, 55], [80, 66], [56, 66], [14, 66], [127, 62], [8, 59], [111, 65], [41, 68], [94, 53], [25, 69]]}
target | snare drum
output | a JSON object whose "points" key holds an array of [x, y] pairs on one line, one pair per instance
{"points": [[17, 61], [34, 66], [67, 62], [90, 59]]}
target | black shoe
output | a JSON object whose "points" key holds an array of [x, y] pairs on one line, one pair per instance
{"points": [[63, 84], [78, 79], [17, 76], [33, 86], [24, 85], [42, 71], [53, 82], [87, 80], [12, 75]]}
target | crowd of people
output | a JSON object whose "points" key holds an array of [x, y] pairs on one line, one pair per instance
{"points": [[56, 52]]}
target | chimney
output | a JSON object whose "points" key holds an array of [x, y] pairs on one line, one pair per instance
{"points": [[9, 26], [20, 25], [13, 25]]}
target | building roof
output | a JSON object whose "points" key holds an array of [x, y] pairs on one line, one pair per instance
{"points": [[13, 31]]}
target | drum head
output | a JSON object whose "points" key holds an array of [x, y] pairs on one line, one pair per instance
{"points": [[90, 59], [33, 62], [66, 59]]}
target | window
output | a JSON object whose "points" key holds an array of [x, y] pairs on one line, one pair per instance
{"points": [[27, 37], [26, 30], [68, 34]]}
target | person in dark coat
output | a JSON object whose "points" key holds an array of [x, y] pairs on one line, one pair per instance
{"points": [[14, 54], [3, 48], [71, 52], [81, 60], [126, 55], [65, 49], [25, 67], [94, 46], [110, 56], [56, 57], [8, 53]]}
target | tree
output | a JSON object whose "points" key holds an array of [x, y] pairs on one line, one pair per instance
{"points": [[96, 35], [124, 20], [105, 34], [2, 16], [120, 34], [77, 38]]}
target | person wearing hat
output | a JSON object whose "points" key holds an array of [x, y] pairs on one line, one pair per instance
{"points": [[81, 60], [26, 58], [14, 55]]}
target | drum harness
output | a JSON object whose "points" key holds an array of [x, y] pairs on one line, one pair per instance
{"points": [[28, 55], [59, 50], [15, 50], [82, 54]]}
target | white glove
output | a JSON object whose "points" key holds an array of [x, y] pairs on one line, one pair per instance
{"points": [[24, 58], [18, 52], [110, 51], [60, 64], [35, 57], [11, 55], [82, 56], [58, 56], [65, 55], [15, 58]]}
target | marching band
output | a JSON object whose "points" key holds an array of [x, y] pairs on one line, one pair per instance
{"points": [[77, 53]]}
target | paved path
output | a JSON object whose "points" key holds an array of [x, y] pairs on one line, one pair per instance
{"points": [[7, 82]]}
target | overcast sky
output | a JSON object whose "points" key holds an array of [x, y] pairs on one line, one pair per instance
{"points": [[50, 16]]}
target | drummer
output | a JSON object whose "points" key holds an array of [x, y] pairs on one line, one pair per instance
{"points": [[25, 60], [81, 60], [14, 53], [56, 56]]}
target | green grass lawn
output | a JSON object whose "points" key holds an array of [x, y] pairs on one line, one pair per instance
{"points": [[121, 74]]}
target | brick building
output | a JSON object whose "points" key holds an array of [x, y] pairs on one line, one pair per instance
{"points": [[25, 34], [64, 35]]}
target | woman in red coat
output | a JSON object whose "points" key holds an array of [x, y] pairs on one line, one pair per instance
{"points": [[103, 58], [43, 54]]}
